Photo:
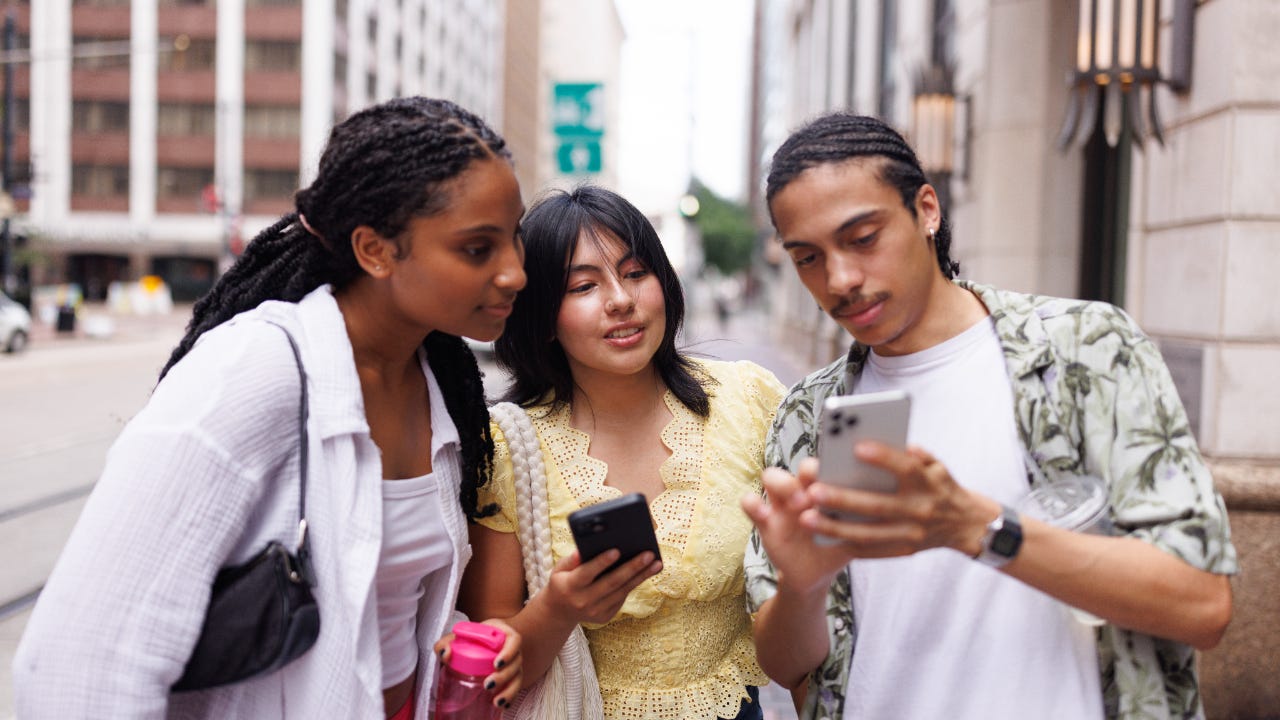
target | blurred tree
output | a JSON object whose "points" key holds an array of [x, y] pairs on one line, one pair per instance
{"points": [[728, 235]]}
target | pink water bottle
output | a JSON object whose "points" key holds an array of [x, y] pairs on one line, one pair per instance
{"points": [[460, 693]]}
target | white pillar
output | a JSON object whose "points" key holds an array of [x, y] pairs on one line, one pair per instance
{"points": [[229, 160], [50, 112], [316, 112], [142, 113]]}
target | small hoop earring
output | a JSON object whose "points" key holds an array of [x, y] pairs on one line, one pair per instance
{"points": [[932, 232]]}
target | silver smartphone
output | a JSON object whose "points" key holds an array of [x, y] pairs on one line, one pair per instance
{"points": [[849, 419]]}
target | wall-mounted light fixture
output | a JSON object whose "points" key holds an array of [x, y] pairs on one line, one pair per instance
{"points": [[1117, 66], [940, 129]]}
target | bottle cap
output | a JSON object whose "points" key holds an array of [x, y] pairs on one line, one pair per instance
{"points": [[475, 647]]}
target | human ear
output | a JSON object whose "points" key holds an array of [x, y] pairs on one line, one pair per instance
{"points": [[928, 208], [374, 252]]}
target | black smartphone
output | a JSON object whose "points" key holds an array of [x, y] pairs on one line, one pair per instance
{"points": [[623, 523]]}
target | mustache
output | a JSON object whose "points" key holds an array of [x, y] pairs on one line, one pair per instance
{"points": [[853, 301]]}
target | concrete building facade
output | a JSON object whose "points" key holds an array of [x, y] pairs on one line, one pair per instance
{"points": [[1185, 235], [160, 135]]}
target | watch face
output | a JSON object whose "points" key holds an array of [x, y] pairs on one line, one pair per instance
{"points": [[1005, 543]]}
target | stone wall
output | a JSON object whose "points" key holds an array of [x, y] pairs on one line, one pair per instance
{"points": [[1241, 677]]}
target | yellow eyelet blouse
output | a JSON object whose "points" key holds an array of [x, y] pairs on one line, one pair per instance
{"points": [[680, 648]]}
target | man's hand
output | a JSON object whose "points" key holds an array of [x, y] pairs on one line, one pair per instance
{"points": [[928, 510], [803, 565]]}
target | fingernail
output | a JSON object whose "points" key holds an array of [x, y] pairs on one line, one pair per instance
{"points": [[500, 664], [441, 653], [502, 702], [489, 685]]}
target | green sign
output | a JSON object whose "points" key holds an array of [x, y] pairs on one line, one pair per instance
{"points": [[577, 119]]}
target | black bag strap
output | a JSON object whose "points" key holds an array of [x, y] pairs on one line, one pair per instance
{"points": [[302, 548]]}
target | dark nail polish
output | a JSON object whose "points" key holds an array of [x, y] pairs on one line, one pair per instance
{"points": [[500, 664], [502, 702], [489, 685]]}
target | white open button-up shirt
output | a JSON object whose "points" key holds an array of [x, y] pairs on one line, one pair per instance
{"points": [[203, 477]]}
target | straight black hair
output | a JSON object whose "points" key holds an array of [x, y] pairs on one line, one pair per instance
{"points": [[552, 230]]}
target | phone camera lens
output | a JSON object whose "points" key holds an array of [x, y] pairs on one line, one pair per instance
{"points": [[853, 420]]}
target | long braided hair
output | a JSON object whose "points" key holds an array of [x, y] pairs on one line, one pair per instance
{"points": [[381, 167], [840, 136]]}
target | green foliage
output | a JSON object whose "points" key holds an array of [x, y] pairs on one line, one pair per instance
{"points": [[728, 234]]}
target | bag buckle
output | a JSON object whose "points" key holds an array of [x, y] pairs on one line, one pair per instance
{"points": [[302, 572]]}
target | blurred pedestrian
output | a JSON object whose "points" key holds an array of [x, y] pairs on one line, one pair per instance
{"points": [[618, 409], [406, 241], [945, 601]]}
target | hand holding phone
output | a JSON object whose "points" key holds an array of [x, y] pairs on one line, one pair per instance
{"points": [[849, 419], [623, 523]]}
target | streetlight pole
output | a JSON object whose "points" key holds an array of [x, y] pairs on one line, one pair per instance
{"points": [[6, 157]]}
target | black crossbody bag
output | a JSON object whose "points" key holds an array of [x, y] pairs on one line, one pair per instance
{"points": [[261, 615]]}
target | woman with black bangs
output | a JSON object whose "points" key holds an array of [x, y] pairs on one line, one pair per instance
{"points": [[591, 348]]}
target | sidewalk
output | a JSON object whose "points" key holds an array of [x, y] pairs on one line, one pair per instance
{"points": [[95, 323], [746, 336]]}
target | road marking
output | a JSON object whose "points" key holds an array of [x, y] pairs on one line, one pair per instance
{"points": [[47, 501]]}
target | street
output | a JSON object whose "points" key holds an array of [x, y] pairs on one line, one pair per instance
{"points": [[66, 399]]}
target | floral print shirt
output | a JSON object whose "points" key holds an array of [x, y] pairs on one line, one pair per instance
{"points": [[1092, 396]]}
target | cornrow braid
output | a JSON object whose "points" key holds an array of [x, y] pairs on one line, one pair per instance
{"points": [[381, 167], [841, 136]]}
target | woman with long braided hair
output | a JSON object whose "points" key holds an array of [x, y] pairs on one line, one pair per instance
{"points": [[407, 240]]}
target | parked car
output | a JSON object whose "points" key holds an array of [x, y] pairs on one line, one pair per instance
{"points": [[15, 325]]}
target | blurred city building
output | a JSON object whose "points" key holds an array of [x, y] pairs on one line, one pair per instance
{"points": [[561, 92], [1082, 190], [158, 136]]}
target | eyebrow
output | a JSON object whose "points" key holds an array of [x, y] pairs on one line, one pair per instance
{"points": [[480, 229], [585, 267], [850, 222]]}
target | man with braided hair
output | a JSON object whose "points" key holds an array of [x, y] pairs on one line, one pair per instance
{"points": [[407, 240], [944, 601]]}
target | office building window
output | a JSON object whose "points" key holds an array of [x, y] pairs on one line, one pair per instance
{"points": [[340, 69], [272, 121], [178, 182], [100, 180], [21, 115], [272, 56], [269, 184], [200, 54], [91, 116], [100, 53], [186, 119]]}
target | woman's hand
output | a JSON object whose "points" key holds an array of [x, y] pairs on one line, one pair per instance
{"points": [[584, 592], [508, 666]]}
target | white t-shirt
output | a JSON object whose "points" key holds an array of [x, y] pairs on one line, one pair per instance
{"points": [[938, 634]]}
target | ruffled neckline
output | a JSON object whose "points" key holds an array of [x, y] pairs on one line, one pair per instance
{"points": [[585, 476]]}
